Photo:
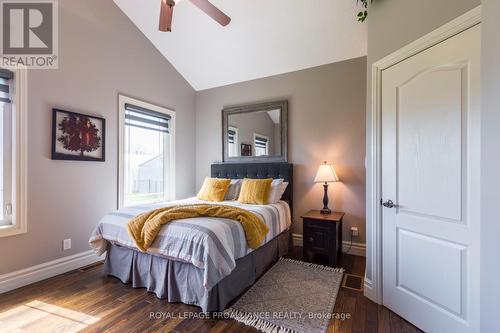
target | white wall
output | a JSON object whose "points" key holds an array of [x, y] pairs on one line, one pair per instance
{"points": [[326, 121], [101, 54], [490, 163]]}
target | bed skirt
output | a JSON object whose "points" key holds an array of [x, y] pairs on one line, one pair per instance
{"points": [[178, 281]]}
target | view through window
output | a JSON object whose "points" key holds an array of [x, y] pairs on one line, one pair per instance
{"points": [[261, 145], [146, 156], [6, 154], [232, 140]]}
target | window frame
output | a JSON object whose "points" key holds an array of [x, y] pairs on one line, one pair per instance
{"points": [[255, 135], [19, 105], [122, 100], [236, 140]]}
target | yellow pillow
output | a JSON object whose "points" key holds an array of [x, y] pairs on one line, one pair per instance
{"points": [[255, 191], [214, 189]]}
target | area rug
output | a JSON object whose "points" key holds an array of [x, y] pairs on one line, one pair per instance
{"points": [[293, 296]]}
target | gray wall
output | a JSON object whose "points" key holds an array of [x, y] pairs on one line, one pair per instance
{"points": [[490, 163], [326, 122], [101, 54], [394, 23], [250, 123]]}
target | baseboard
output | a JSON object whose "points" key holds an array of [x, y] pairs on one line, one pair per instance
{"points": [[298, 240], [356, 249], [368, 289], [26, 276]]}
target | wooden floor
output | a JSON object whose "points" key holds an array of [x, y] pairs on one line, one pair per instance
{"points": [[86, 301]]}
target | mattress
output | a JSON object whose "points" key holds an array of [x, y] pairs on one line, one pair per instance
{"points": [[211, 244]]}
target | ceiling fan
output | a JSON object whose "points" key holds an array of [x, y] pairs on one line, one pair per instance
{"points": [[167, 10]]}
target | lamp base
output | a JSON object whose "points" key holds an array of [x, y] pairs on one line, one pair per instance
{"points": [[326, 211]]}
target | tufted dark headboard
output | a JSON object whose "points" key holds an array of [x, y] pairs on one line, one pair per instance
{"points": [[257, 170]]}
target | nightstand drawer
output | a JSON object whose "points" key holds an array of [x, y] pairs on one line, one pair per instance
{"points": [[316, 224], [318, 239]]}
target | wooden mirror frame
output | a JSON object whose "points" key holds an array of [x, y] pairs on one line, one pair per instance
{"points": [[278, 105]]}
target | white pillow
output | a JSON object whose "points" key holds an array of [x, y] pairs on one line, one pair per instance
{"points": [[233, 190], [277, 192], [277, 181]]}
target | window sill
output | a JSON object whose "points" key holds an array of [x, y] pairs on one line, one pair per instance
{"points": [[12, 230]]}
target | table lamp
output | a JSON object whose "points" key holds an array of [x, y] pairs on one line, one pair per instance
{"points": [[326, 174]]}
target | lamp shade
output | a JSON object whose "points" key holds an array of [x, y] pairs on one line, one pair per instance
{"points": [[326, 174]]}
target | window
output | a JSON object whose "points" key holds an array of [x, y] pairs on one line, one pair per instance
{"points": [[232, 139], [6, 153], [261, 143], [13, 148], [146, 153]]}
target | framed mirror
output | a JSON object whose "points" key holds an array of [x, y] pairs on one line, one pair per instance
{"points": [[255, 133]]}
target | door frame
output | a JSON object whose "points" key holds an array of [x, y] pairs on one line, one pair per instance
{"points": [[373, 283]]}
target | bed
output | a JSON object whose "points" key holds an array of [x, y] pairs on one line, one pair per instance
{"points": [[200, 261]]}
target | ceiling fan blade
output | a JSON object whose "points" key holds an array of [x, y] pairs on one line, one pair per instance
{"points": [[166, 12], [212, 11]]}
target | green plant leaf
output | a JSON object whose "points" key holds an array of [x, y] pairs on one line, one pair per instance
{"points": [[362, 15]]}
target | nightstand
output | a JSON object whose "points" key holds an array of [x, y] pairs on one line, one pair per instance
{"points": [[322, 237]]}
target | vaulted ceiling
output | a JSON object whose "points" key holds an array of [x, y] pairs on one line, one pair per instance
{"points": [[264, 38]]}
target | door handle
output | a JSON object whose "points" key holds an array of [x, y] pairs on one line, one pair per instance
{"points": [[389, 204]]}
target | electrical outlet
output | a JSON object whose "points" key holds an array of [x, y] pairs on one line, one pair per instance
{"points": [[66, 244], [354, 232]]}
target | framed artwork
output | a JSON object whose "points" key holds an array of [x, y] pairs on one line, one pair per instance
{"points": [[246, 149], [77, 136]]}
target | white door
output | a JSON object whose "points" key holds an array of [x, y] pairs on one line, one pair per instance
{"points": [[430, 171]]}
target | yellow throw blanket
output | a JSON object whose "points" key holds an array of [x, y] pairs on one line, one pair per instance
{"points": [[145, 227]]}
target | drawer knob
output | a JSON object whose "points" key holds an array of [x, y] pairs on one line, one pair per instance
{"points": [[311, 239]]}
